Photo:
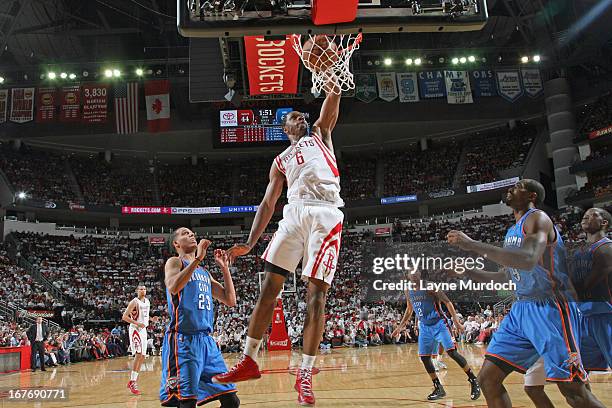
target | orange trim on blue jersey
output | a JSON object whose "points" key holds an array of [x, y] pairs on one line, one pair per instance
{"points": [[506, 361], [178, 370], [216, 395]]}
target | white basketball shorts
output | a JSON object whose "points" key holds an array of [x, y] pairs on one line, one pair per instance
{"points": [[536, 375], [138, 340], [310, 233]]}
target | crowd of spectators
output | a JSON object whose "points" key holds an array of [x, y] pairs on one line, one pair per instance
{"points": [[17, 287], [596, 115], [598, 152], [358, 176], [599, 185], [120, 182], [40, 175], [97, 273], [414, 171], [488, 154], [205, 184]]}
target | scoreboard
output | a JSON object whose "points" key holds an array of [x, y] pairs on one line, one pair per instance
{"points": [[255, 126]]}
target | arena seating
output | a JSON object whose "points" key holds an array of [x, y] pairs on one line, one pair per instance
{"points": [[495, 151], [596, 115]]}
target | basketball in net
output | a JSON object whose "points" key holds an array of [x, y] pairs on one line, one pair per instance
{"points": [[328, 57]]}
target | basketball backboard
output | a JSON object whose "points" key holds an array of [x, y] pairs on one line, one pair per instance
{"points": [[239, 18]]}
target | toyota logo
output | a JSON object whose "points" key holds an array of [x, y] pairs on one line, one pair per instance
{"points": [[228, 116]]}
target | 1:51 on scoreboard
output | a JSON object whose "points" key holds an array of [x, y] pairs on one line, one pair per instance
{"points": [[252, 125]]}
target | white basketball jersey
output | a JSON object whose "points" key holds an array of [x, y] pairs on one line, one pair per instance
{"points": [[141, 312], [311, 172]]}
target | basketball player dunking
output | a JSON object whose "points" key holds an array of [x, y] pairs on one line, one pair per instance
{"points": [[137, 315], [309, 231], [544, 319], [435, 331], [190, 356]]}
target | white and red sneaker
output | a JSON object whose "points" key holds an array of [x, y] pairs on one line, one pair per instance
{"points": [[133, 387], [246, 369], [303, 385]]}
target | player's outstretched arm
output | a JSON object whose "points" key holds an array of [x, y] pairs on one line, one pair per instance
{"points": [[263, 216], [128, 312], [227, 294], [329, 116], [176, 277], [536, 230]]}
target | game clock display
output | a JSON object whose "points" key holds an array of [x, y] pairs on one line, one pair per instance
{"points": [[242, 127]]}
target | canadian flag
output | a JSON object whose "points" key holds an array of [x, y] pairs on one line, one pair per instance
{"points": [[157, 95]]}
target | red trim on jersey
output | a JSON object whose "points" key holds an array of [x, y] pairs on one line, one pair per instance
{"points": [[325, 149], [325, 245], [279, 164], [136, 341], [330, 160], [316, 136]]}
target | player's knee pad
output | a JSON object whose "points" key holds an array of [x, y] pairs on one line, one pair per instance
{"points": [[428, 363], [229, 400], [457, 357]]}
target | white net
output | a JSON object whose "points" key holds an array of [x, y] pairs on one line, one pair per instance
{"points": [[328, 58]]}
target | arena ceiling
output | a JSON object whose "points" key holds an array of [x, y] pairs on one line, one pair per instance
{"points": [[35, 32]]}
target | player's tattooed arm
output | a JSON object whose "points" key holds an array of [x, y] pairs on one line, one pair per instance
{"points": [[128, 313], [227, 294], [536, 228], [329, 115], [175, 277], [451, 308], [602, 267], [263, 216]]}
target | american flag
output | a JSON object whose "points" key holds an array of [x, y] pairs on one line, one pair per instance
{"points": [[126, 108]]}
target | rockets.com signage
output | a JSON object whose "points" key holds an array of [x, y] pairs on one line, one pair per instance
{"points": [[273, 66]]}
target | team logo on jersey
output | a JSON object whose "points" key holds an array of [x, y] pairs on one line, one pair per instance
{"points": [[171, 384], [329, 264]]}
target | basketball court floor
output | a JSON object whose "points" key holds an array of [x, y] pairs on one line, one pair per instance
{"points": [[387, 376]]}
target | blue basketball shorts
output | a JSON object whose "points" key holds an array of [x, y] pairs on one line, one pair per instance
{"points": [[430, 336], [596, 342]]}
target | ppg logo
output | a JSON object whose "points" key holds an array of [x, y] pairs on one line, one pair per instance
{"points": [[229, 116]]}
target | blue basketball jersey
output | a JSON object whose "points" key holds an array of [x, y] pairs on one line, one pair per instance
{"points": [[549, 277], [191, 310], [426, 307], [598, 298]]}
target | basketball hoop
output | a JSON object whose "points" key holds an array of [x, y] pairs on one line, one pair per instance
{"points": [[336, 77]]}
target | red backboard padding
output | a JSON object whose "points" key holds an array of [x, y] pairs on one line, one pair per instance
{"points": [[334, 11]]}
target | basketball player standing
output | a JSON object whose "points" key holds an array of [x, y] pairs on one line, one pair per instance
{"points": [[309, 231], [543, 320], [137, 315], [190, 355]]}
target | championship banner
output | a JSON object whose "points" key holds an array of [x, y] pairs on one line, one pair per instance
{"points": [[365, 87], [70, 100], [509, 85], [387, 87], [431, 84], [22, 105], [273, 66], [458, 88], [279, 339], [484, 83], [46, 101], [95, 103], [3, 104], [532, 82], [407, 83]]}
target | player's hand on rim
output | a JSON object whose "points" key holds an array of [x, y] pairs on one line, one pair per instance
{"points": [[236, 251]]}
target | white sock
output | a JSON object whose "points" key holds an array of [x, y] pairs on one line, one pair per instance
{"points": [[251, 347], [134, 376], [308, 361]]}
